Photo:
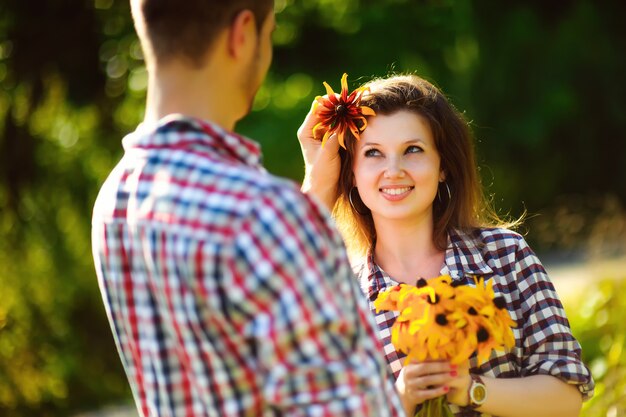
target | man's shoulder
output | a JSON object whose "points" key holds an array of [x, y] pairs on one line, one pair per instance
{"points": [[284, 197], [260, 186], [188, 187], [235, 194]]}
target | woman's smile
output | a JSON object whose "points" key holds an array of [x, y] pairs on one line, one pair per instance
{"points": [[395, 193]]}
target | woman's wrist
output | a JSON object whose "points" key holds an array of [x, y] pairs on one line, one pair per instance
{"points": [[408, 403], [322, 190], [401, 389], [459, 392]]}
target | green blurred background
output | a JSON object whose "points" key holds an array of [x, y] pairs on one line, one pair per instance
{"points": [[541, 81]]}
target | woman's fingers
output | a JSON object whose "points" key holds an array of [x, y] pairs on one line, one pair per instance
{"points": [[427, 382], [310, 146], [305, 131], [427, 394], [420, 394], [330, 151], [426, 368]]}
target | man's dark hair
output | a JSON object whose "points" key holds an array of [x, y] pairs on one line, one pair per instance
{"points": [[188, 28]]}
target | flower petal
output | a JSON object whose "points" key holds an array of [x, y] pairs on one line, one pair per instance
{"points": [[367, 111], [355, 131], [344, 86], [363, 120], [321, 101], [317, 128], [329, 90], [326, 136], [340, 136]]}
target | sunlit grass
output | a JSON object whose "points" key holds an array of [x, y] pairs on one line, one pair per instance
{"points": [[597, 314]]}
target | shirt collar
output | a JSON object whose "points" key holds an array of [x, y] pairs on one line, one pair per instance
{"points": [[179, 131], [464, 256], [378, 280]]}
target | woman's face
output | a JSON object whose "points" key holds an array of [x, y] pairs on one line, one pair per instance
{"points": [[397, 167]]}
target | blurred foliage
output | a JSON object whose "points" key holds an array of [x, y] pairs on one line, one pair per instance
{"points": [[598, 323], [581, 228], [540, 81]]}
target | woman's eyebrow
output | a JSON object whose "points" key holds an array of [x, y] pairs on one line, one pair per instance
{"points": [[407, 142]]}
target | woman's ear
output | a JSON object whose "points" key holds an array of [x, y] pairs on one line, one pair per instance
{"points": [[442, 175]]}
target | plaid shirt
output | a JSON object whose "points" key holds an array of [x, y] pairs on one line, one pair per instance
{"points": [[228, 291], [543, 340]]}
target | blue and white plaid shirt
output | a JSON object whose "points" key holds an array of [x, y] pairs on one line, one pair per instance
{"points": [[544, 343]]}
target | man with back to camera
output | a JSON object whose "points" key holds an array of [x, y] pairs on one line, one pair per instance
{"points": [[228, 291]]}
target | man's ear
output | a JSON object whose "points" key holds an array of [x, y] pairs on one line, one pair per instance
{"points": [[242, 34]]}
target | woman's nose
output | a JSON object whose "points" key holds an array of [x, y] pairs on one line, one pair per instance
{"points": [[394, 169]]}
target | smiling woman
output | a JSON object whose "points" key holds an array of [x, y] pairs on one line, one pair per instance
{"points": [[410, 108], [407, 197]]}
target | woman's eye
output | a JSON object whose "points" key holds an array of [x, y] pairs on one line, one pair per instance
{"points": [[413, 149], [371, 152]]}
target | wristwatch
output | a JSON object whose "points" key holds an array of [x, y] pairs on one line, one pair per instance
{"points": [[477, 392]]}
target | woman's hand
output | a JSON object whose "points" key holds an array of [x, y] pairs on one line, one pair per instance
{"points": [[459, 386], [421, 381], [321, 164]]}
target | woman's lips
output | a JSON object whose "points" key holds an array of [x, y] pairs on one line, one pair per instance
{"points": [[395, 193]]}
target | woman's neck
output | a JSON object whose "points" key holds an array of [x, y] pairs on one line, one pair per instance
{"points": [[407, 252]]}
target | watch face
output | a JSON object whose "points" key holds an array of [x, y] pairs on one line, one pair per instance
{"points": [[478, 393]]}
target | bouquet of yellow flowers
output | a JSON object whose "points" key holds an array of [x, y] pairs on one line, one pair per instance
{"points": [[440, 321]]}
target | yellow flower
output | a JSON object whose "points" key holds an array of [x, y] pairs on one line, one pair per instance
{"points": [[401, 339], [341, 113], [504, 322], [489, 322], [479, 297], [440, 321], [388, 299]]}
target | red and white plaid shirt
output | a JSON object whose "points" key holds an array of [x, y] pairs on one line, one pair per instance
{"points": [[228, 291], [544, 343]]}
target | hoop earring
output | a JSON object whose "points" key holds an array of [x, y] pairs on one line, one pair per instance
{"points": [[352, 203], [439, 193]]}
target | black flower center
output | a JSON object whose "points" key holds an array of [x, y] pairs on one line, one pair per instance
{"points": [[421, 283], [441, 319], [482, 334], [499, 302], [472, 311], [437, 298], [341, 110]]}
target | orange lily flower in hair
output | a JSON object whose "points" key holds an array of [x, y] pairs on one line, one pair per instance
{"points": [[341, 113]]}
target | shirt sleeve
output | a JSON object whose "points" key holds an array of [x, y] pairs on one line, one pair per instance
{"points": [[549, 346], [313, 335]]}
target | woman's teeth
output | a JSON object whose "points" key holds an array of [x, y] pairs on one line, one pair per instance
{"points": [[395, 191]]}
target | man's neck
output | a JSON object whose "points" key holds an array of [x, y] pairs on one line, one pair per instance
{"points": [[203, 93]]}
